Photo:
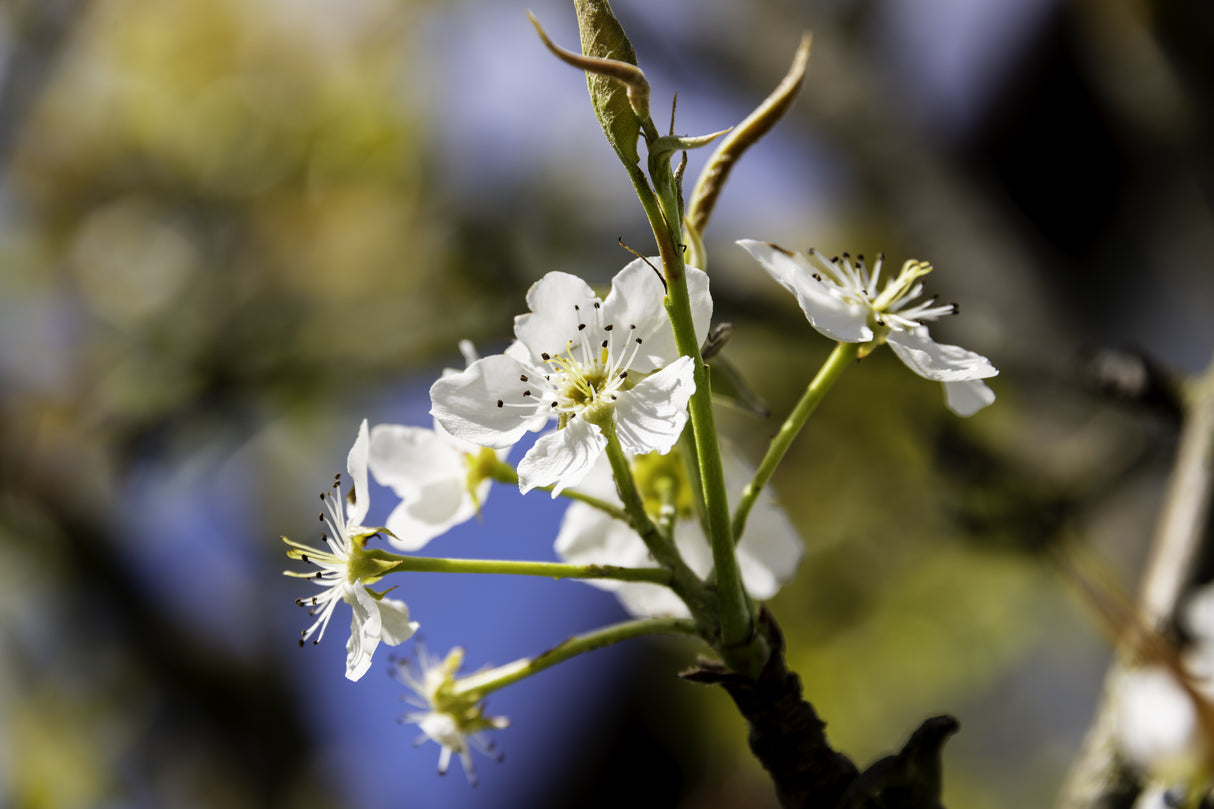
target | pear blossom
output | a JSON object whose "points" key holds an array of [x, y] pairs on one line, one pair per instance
{"points": [[768, 553], [442, 480], [593, 364], [345, 569], [844, 302], [1159, 727], [457, 722]]}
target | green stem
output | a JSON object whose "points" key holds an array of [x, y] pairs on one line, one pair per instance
{"points": [[502, 676], [840, 360], [740, 645], [551, 570], [684, 581], [660, 546]]}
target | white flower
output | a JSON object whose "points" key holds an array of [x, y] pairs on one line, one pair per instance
{"points": [[1160, 728], [768, 554], [842, 301], [457, 722], [345, 569], [590, 363], [441, 480]]}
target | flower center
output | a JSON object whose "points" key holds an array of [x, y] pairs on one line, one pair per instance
{"points": [[894, 308], [663, 484], [587, 377]]}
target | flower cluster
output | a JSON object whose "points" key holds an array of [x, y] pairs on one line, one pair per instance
{"points": [[844, 302], [608, 373], [684, 532]]}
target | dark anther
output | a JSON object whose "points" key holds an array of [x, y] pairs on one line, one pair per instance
{"points": [[553, 405], [522, 378], [608, 327], [597, 304], [545, 357], [500, 403], [301, 643], [305, 559], [956, 307], [623, 374], [581, 326], [526, 393], [633, 326], [817, 276], [639, 341], [577, 308], [604, 344], [318, 575], [321, 517]]}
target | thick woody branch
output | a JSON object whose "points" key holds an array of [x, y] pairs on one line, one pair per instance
{"points": [[789, 739]]}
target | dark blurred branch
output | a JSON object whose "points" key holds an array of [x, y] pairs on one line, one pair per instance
{"points": [[1097, 776], [789, 739], [1133, 377], [39, 31]]}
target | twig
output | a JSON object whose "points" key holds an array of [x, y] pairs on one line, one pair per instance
{"points": [[1096, 774]]}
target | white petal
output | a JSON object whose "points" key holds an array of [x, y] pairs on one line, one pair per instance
{"points": [[435, 509], [644, 600], [553, 321], [770, 551], [466, 403], [650, 417], [829, 314], [365, 627], [397, 628], [637, 299], [591, 537], [561, 459], [408, 459], [356, 465], [932, 360], [1156, 723], [968, 397]]}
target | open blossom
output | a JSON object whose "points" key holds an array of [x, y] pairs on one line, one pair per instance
{"points": [[441, 480], [592, 364], [345, 569], [768, 554], [457, 722], [844, 302]]}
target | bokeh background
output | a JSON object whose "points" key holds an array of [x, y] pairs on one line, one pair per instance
{"points": [[231, 230]]}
